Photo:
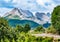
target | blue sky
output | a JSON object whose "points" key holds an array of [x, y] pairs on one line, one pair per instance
{"points": [[32, 5]]}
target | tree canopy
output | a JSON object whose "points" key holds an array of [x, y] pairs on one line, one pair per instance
{"points": [[55, 19]]}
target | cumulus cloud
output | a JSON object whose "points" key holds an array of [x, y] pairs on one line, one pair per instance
{"points": [[32, 5], [4, 10], [36, 5], [48, 4], [7, 0], [57, 1]]}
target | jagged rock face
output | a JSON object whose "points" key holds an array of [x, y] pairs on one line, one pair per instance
{"points": [[15, 13], [43, 17], [40, 16], [27, 13], [18, 14]]}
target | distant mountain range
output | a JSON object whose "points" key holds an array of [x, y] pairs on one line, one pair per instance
{"points": [[20, 14], [40, 18]]}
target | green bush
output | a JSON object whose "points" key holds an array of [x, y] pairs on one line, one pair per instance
{"points": [[47, 39], [52, 30], [25, 28], [58, 40], [39, 29], [19, 28]]}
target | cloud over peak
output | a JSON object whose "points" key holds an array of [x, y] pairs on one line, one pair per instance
{"points": [[32, 5]]}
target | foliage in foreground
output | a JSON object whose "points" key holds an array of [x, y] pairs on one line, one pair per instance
{"points": [[39, 29], [25, 29], [27, 38], [51, 29], [56, 18], [18, 34]]}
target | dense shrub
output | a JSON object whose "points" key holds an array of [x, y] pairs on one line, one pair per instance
{"points": [[39, 29], [47, 39], [25, 28], [27, 38], [51, 29], [19, 28]]}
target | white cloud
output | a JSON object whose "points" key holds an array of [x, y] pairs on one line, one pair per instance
{"points": [[4, 10], [42, 2], [50, 5], [25, 5], [46, 18], [33, 5], [7, 0]]}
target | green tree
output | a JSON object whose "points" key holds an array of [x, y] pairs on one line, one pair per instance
{"points": [[3, 23], [5, 30], [40, 29], [55, 19], [19, 28], [4, 27], [27, 27]]}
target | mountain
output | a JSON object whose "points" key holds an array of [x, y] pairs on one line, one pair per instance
{"points": [[39, 16], [20, 14], [15, 14], [48, 14], [43, 17], [26, 13], [14, 22], [46, 24]]}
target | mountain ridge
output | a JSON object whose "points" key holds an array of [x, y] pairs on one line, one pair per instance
{"points": [[26, 15]]}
